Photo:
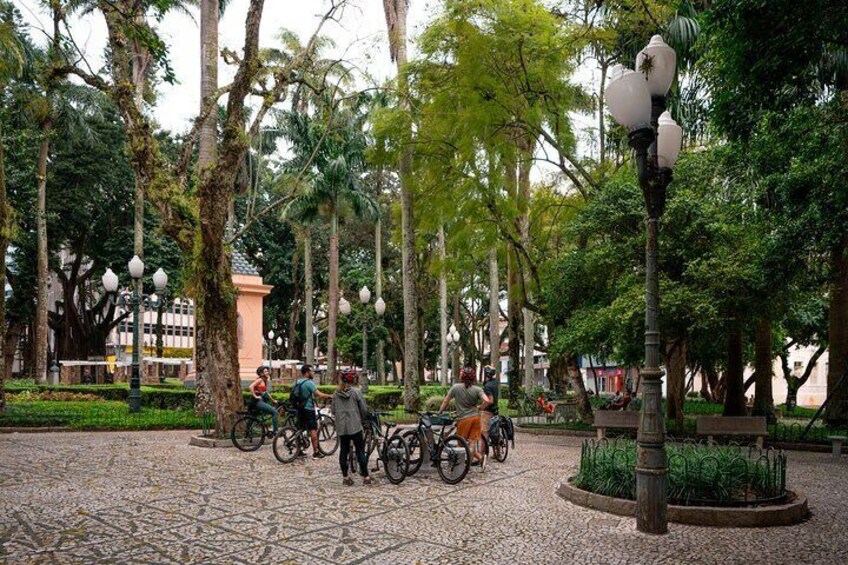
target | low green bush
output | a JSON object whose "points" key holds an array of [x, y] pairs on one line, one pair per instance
{"points": [[52, 395], [432, 403], [103, 415], [383, 400]]}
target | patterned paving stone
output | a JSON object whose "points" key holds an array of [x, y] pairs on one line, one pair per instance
{"points": [[148, 497]]}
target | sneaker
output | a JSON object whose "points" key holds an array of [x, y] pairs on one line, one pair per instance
{"points": [[348, 482], [475, 463], [366, 481], [317, 455]]}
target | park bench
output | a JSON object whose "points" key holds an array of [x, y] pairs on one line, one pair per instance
{"points": [[627, 419], [734, 426]]}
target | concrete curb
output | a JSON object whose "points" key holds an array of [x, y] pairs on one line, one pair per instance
{"points": [[23, 430], [202, 441], [792, 512]]}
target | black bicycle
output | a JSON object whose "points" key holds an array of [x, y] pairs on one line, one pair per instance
{"points": [[292, 440], [392, 450], [498, 440], [252, 427], [448, 452]]}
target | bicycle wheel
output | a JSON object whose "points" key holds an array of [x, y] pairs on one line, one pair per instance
{"points": [[328, 440], [248, 433], [287, 446], [454, 459], [352, 463], [395, 458], [415, 444], [501, 446]]}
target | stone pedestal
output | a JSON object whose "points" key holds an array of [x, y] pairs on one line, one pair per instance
{"points": [[150, 375]]}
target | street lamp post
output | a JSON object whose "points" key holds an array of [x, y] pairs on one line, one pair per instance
{"points": [[379, 308], [452, 339], [636, 100], [134, 300]]}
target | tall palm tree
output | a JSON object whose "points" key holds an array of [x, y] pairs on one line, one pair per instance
{"points": [[396, 12], [334, 141]]}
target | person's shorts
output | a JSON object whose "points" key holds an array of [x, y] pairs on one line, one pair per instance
{"points": [[485, 420], [469, 428], [307, 420]]}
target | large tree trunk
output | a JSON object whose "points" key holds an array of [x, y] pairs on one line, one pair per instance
{"points": [[443, 310], [514, 329], [40, 360], [676, 367], [584, 407], [5, 229], [207, 157], [763, 359], [307, 291], [378, 287], [333, 307], [734, 401], [457, 348], [526, 151], [494, 310], [396, 12], [836, 414]]}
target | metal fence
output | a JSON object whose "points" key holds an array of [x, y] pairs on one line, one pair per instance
{"points": [[699, 474]]}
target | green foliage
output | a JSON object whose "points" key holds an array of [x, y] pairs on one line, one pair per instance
{"points": [[384, 399], [105, 415], [698, 474]]}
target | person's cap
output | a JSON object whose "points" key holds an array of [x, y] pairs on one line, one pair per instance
{"points": [[489, 371]]}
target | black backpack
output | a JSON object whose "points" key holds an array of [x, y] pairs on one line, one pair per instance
{"points": [[295, 399]]}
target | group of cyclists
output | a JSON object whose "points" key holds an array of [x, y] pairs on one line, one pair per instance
{"points": [[474, 405]]}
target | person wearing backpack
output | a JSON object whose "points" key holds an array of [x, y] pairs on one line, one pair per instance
{"points": [[302, 400], [351, 414], [491, 387]]}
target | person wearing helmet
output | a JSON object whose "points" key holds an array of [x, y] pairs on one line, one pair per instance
{"points": [[466, 395], [350, 411], [491, 387], [261, 399]]}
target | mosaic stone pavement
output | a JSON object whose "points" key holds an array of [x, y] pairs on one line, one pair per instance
{"points": [[148, 497]]}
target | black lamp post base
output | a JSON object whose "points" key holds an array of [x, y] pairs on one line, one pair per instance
{"points": [[135, 399]]}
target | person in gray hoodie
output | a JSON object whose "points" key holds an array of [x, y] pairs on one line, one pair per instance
{"points": [[350, 411]]}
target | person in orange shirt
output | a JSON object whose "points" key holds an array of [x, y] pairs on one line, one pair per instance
{"points": [[262, 400]]}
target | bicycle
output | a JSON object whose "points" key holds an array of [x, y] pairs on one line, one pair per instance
{"points": [[292, 440], [392, 450], [252, 427], [449, 453], [498, 440]]}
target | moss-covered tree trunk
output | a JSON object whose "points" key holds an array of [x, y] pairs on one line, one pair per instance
{"points": [[40, 353], [333, 306], [584, 407]]}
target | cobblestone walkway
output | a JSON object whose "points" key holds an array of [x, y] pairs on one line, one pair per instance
{"points": [[147, 497]]}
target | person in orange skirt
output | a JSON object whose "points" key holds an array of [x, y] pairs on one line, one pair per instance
{"points": [[467, 396]]}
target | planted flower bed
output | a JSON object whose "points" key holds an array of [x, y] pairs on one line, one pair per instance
{"points": [[698, 474]]}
